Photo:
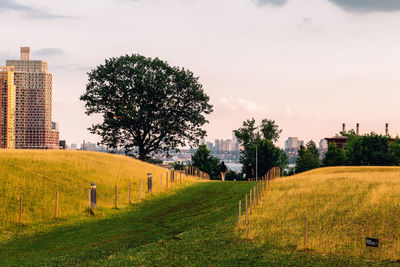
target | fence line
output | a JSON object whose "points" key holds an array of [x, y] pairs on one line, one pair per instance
{"points": [[176, 177]]}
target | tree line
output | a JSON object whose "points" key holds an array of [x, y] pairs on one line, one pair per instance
{"points": [[360, 150]]}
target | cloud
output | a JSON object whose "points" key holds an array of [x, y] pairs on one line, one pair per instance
{"points": [[368, 5], [27, 11], [240, 104], [271, 2], [48, 52]]}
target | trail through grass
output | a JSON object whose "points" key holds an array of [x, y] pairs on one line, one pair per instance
{"points": [[194, 226]]}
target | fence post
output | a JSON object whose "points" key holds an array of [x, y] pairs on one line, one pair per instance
{"points": [[251, 206], [247, 218], [89, 200], [129, 193], [240, 212], [56, 211], [116, 196], [141, 188], [166, 181], [254, 196], [161, 182], [20, 209], [305, 232]]}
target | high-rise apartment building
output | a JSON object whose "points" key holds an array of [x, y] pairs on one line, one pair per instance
{"points": [[26, 105], [7, 107]]}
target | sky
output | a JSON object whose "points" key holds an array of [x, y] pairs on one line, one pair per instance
{"points": [[310, 65]]}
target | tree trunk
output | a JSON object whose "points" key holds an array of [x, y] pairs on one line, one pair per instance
{"points": [[142, 153]]}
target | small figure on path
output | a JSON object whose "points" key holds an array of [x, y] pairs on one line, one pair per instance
{"points": [[223, 170], [250, 171]]}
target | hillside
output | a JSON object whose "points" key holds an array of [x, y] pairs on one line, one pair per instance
{"points": [[343, 206], [36, 175]]}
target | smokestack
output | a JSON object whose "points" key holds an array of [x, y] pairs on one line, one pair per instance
{"points": [[357, 128], [25, 53], [344, 127], [387, 129]]}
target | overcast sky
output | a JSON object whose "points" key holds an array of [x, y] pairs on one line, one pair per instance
{"points": [[307, 64]]}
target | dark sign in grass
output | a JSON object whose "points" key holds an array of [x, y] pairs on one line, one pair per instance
{"points": [[372, 242]]}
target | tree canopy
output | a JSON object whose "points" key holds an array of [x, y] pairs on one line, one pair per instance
{"points": [[260, 138], [334, 156], [146, 104], [205, 162], [308, 158]]}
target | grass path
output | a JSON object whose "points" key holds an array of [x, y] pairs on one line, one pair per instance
{"points": [[193, 226]]}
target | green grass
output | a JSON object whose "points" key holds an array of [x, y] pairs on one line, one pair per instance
{"points": [[194, 226], [37, 175]]}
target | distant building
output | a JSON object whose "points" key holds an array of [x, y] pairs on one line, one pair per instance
{"points": [[210, 146], [323, 144], [26, 90], [7, 107], [62, 144], [217, 145]]}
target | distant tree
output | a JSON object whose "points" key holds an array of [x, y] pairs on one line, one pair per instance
{"points": [[231, 175], [369, 150], [308, 158], [262, 138], [205, 162], [394, 150], [334, 156], [146, 104]]}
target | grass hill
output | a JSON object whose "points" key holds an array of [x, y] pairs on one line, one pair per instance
{"points": [[343, 206], [196, 225], [37, 175]]}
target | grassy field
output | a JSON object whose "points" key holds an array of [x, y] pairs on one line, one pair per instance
{"points": [[343, 206], [192, 226], [196, 224], [37, 175]]}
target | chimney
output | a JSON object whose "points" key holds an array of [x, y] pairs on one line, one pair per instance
{"points": [[357, 128], [344, 127], [25, 53], [387, 129]]}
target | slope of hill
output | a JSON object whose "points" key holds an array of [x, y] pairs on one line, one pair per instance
{"points": [[192, 226], [343, 206], [36, 176]]}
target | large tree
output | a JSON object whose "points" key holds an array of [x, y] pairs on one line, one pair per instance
{"points": [[260, 138], [146, 104]]}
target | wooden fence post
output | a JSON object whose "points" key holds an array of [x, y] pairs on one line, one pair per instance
{"points": [[116, 196], [247, 218], [240, 212], [305, 232], [161, 182], [251, 206], [166, 181], [20, 209], [254, 196], [89, 201], [129, 193], [56, 211], [141, 188]]}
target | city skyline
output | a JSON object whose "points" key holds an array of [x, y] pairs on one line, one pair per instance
{"points": [[315, 71]]}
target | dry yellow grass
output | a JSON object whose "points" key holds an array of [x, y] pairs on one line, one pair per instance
{"points": [[37, 175], [343, 206]]}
